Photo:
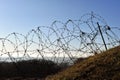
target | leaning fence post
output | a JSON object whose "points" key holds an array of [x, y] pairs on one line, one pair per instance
{"points": [[102, 35]]}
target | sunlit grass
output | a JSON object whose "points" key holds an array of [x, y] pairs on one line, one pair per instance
{"points": [[101, 66]]}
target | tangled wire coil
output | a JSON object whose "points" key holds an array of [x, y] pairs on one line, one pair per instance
{"points": [[61, 42]]}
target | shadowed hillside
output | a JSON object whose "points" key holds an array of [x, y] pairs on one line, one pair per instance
{"points": [[104, 66], [29, 68]]}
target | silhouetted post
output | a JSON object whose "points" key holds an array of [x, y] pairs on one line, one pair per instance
{"points": [[102, 35]]}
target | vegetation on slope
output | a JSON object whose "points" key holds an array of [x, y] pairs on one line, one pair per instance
{"points": [[28, 68], [103, 66]]}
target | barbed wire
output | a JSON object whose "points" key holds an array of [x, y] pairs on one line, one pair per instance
{"points": [[61, 42]]}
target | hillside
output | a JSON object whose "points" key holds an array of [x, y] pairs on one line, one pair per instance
{"points": [[27, 69], [103, 66]]}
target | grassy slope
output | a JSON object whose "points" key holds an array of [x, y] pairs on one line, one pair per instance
{"points": [[104, 66]]}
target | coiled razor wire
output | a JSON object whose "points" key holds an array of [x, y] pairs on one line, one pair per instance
{"points": [[61, 42]]}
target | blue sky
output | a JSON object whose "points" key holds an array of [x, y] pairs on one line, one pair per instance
{"points": [[23, 15]]}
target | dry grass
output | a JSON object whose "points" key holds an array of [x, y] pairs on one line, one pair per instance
{"points": [[104, 66]]}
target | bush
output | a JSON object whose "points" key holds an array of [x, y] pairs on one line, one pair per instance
{"points": [[29, 68]]}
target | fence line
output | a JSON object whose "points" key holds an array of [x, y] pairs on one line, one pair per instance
{"points": [[61, 41]]}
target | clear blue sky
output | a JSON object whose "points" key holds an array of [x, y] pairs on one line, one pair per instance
{"points": [[23, 15]]}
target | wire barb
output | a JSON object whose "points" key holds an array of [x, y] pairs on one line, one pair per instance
{"points": [[61, 42]]}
